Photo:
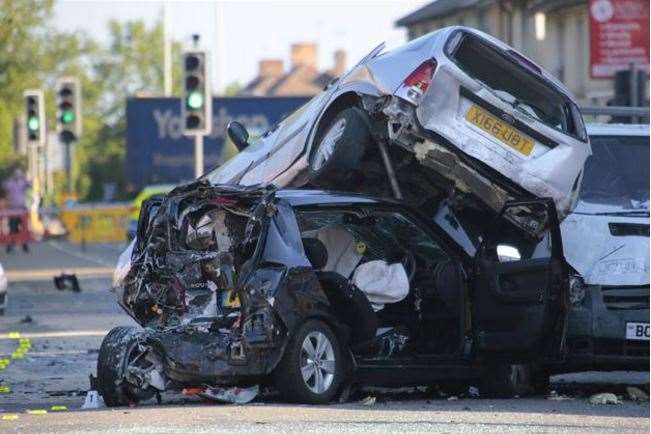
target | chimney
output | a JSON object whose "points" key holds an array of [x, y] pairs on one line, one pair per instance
{"points": [[304, 54], [270, 68], [340, 63]]}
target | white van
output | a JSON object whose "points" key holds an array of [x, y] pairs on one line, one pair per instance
{"points": [[606, 242]]}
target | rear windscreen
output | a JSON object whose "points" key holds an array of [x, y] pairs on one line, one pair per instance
{"points": [[517, 85]]}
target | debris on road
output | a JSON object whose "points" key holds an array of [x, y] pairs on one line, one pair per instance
{"points": [[555, 396], [604, 399], [636, 394], [368, 401], [233, 395], [453, 398], [26, 319], [67, 281], [93, 400]]}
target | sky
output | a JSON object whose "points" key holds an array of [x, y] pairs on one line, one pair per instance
{"points": [[252, 30]]}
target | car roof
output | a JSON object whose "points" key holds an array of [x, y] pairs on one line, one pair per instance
{"points": [[320, 197], [597, 129]]}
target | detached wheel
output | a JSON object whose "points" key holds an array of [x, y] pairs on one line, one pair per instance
{"points": [[507, 381], [312, 367], [339, 149], [111, 363]]}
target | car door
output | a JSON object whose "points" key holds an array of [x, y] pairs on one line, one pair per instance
{"points": [[519, 294]]}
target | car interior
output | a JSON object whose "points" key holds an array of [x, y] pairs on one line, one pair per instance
{"points": [[388, 279]]}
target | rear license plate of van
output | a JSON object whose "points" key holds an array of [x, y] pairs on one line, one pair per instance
{"points": [[499, 129], [637, 331]]}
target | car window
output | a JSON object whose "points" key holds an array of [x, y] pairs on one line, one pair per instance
{"points": [[617, 172], [378, 234], [518, 84]]}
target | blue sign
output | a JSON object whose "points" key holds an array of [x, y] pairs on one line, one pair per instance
{"points": [[157, 150]]}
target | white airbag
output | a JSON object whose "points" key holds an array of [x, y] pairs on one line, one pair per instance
{"points": [[382, 283]]}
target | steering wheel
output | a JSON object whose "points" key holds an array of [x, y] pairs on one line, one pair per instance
{"points": [[408, 261]]}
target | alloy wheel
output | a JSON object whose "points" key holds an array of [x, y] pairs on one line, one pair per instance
{"points": [[317, 362], [328, 144]]}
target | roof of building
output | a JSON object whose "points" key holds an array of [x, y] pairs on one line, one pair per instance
{"points": [[438, 9]]}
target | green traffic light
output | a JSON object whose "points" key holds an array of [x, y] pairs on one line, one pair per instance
{"points": [[195, 100], [32, 123], [67, 117]]}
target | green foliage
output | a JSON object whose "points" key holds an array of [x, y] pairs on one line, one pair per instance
{"points": [[34, 54]]}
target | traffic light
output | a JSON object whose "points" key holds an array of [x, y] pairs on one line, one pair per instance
{"points": [[35, 116], [196, 105], [68, 109]]}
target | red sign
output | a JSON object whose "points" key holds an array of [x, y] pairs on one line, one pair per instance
{"points": [[619, 36]]}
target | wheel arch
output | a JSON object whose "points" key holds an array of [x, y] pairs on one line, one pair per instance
{"points": [[347, 99]]}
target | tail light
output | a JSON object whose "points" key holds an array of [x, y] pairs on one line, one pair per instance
{"points": [[420, 79]]}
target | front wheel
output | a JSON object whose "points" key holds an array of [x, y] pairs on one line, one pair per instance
{"points": [[338, 149], [312, 367]]}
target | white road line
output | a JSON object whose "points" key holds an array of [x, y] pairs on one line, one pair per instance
{"points": [[61, 334], [79, 255], [50, 353], [49, 273]]}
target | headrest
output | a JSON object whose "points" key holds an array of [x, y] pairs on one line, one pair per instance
{"points": [[316, 252]]}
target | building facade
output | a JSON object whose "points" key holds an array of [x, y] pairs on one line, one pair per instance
{"points": [[554, 33]]}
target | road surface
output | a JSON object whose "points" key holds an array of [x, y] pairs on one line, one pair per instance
{"points": [[45, 388]]}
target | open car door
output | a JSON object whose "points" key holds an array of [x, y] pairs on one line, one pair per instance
{"points": [[520, 296]]}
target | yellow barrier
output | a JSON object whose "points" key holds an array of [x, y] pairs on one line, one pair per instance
{"points": [[96, 223]]}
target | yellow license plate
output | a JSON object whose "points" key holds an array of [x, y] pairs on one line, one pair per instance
{"points": [[500, 130]]}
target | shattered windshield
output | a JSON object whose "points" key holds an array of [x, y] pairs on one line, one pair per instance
{"points": [[617, 173]]}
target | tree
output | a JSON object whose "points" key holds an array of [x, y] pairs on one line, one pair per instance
{"points": [[35, 54]]}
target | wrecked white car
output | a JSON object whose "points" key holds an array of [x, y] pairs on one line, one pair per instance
{"points": [[455, 112], [309, 291]]}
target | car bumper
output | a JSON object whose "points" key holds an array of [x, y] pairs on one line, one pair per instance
{"points": [[596, 337]]}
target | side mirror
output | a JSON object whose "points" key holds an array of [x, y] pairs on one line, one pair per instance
{"points": [[238, 134], [506, 253]]}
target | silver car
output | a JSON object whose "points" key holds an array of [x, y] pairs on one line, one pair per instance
{"points": [[452, 113]]}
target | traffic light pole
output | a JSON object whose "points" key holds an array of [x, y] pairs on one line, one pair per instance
{"points": [[67, 164], [198, 155]]}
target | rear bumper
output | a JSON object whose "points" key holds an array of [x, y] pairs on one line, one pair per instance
{"points": [[596, 337]]}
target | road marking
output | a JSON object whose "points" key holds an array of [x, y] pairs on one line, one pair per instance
{"points": [[79, 255], [46, 354], [37, 411], [49, 273], [61, 334]]}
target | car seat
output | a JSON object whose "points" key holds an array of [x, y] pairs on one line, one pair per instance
{"points": [[340, 245], [349, 303]]}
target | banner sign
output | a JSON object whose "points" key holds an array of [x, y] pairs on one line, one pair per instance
{"points": [[619, 36], [157, 150]]}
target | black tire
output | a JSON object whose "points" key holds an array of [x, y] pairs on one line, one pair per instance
{"points": [[507, 381], [287, 376], [110, 365], [337, 171]]}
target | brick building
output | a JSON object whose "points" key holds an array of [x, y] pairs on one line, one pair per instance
{"points": [[303, 77]]}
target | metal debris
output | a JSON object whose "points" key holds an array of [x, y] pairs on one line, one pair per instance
{"points": [[636, 394], [604, 399], [368, 401], [234, 395]]}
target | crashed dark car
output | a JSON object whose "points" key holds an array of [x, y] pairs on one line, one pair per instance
{"points": [[309, 291]]}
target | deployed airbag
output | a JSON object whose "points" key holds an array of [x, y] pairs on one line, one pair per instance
{"points": [[382, 283]]}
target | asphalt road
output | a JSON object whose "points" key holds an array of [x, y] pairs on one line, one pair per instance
{"points": [[60, 344]]}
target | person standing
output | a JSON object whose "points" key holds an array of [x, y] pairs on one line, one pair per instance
{"points": [[15, 188]]}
